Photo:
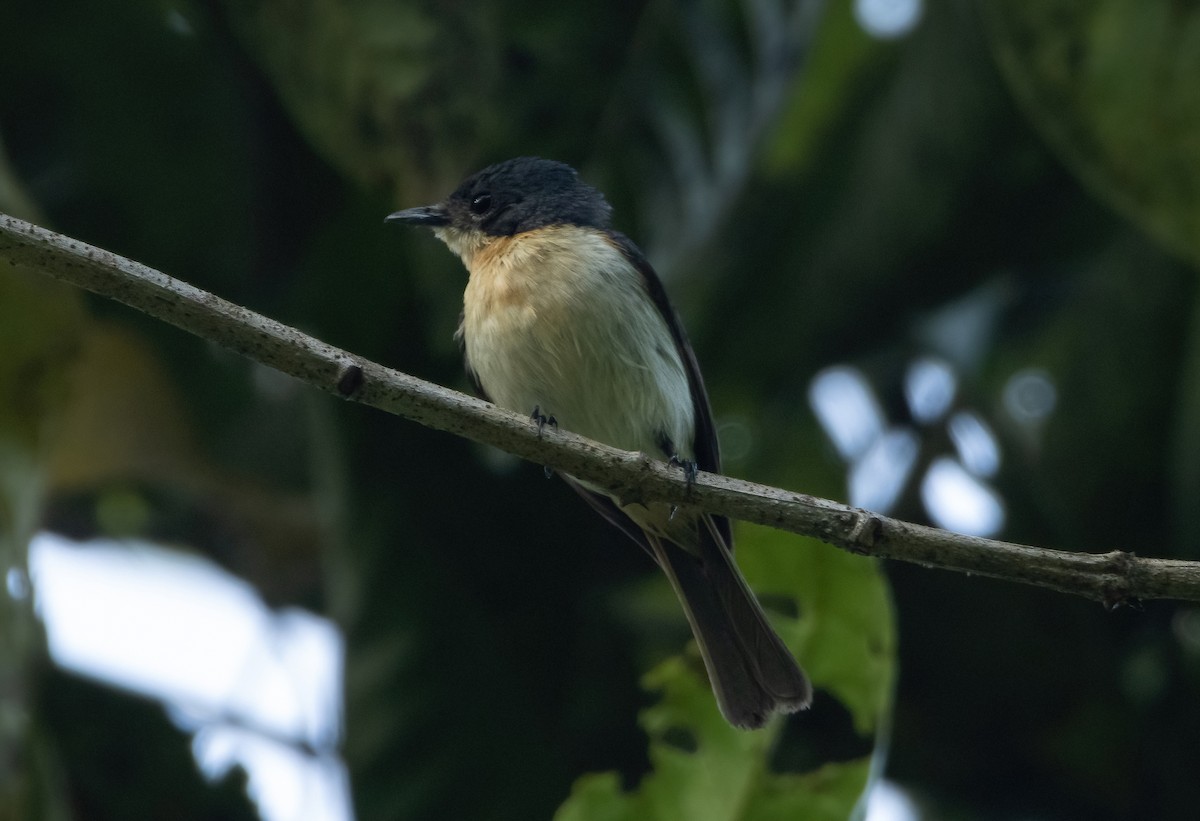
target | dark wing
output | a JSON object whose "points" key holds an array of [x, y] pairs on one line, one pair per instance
{"points": [[704, 443], [608, 509], [708, 454]]}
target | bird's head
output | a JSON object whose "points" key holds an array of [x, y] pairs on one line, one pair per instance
{"points": [[510, 198]]}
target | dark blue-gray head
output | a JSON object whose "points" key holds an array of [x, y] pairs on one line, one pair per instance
{"points": [[512, 197]]}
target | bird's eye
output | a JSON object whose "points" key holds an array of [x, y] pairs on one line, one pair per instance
{"points": [[481, 204]]}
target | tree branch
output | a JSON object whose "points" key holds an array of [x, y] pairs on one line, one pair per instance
{"points": [[1114, 578]]}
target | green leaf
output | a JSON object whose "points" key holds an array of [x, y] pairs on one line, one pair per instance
{"points": [[1112, 86], [844, 636], [380, 88]]}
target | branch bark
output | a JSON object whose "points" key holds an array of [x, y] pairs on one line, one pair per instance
{"points": [[1114, 577]]}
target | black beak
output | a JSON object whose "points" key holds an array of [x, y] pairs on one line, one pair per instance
{"points": [[430, 216]]}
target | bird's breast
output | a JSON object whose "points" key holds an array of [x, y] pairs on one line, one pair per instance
{"points": [[559, 319]]}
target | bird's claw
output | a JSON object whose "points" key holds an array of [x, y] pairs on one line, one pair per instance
{"points": [[541, 420], [690, 469]]}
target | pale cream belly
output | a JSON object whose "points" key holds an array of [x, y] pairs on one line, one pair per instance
{"points": [[583, 344]]}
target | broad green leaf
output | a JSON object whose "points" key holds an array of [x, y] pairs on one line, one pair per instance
{"points": [[843, 635], [386, 91], [1113, 88]]}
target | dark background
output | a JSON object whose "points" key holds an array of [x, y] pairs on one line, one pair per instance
{"points": [[811, 195]]}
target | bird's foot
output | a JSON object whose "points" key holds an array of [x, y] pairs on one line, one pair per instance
{"points": [[690, 469], [541, 420]]}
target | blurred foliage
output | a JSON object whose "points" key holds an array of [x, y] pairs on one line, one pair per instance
{"points": [[132, 764], [40, 323], [1113, 87], [811, 196]]}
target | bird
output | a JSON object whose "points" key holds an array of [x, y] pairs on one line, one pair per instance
{"points": [[565, 319]]}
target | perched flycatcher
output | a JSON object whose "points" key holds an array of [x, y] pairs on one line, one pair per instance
{"points": [[564, 317]]}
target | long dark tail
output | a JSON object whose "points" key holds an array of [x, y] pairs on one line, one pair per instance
{"points": [[752, 672]]}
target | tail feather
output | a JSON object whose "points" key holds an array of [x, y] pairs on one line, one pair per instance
{"points": [[752, 672]]}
